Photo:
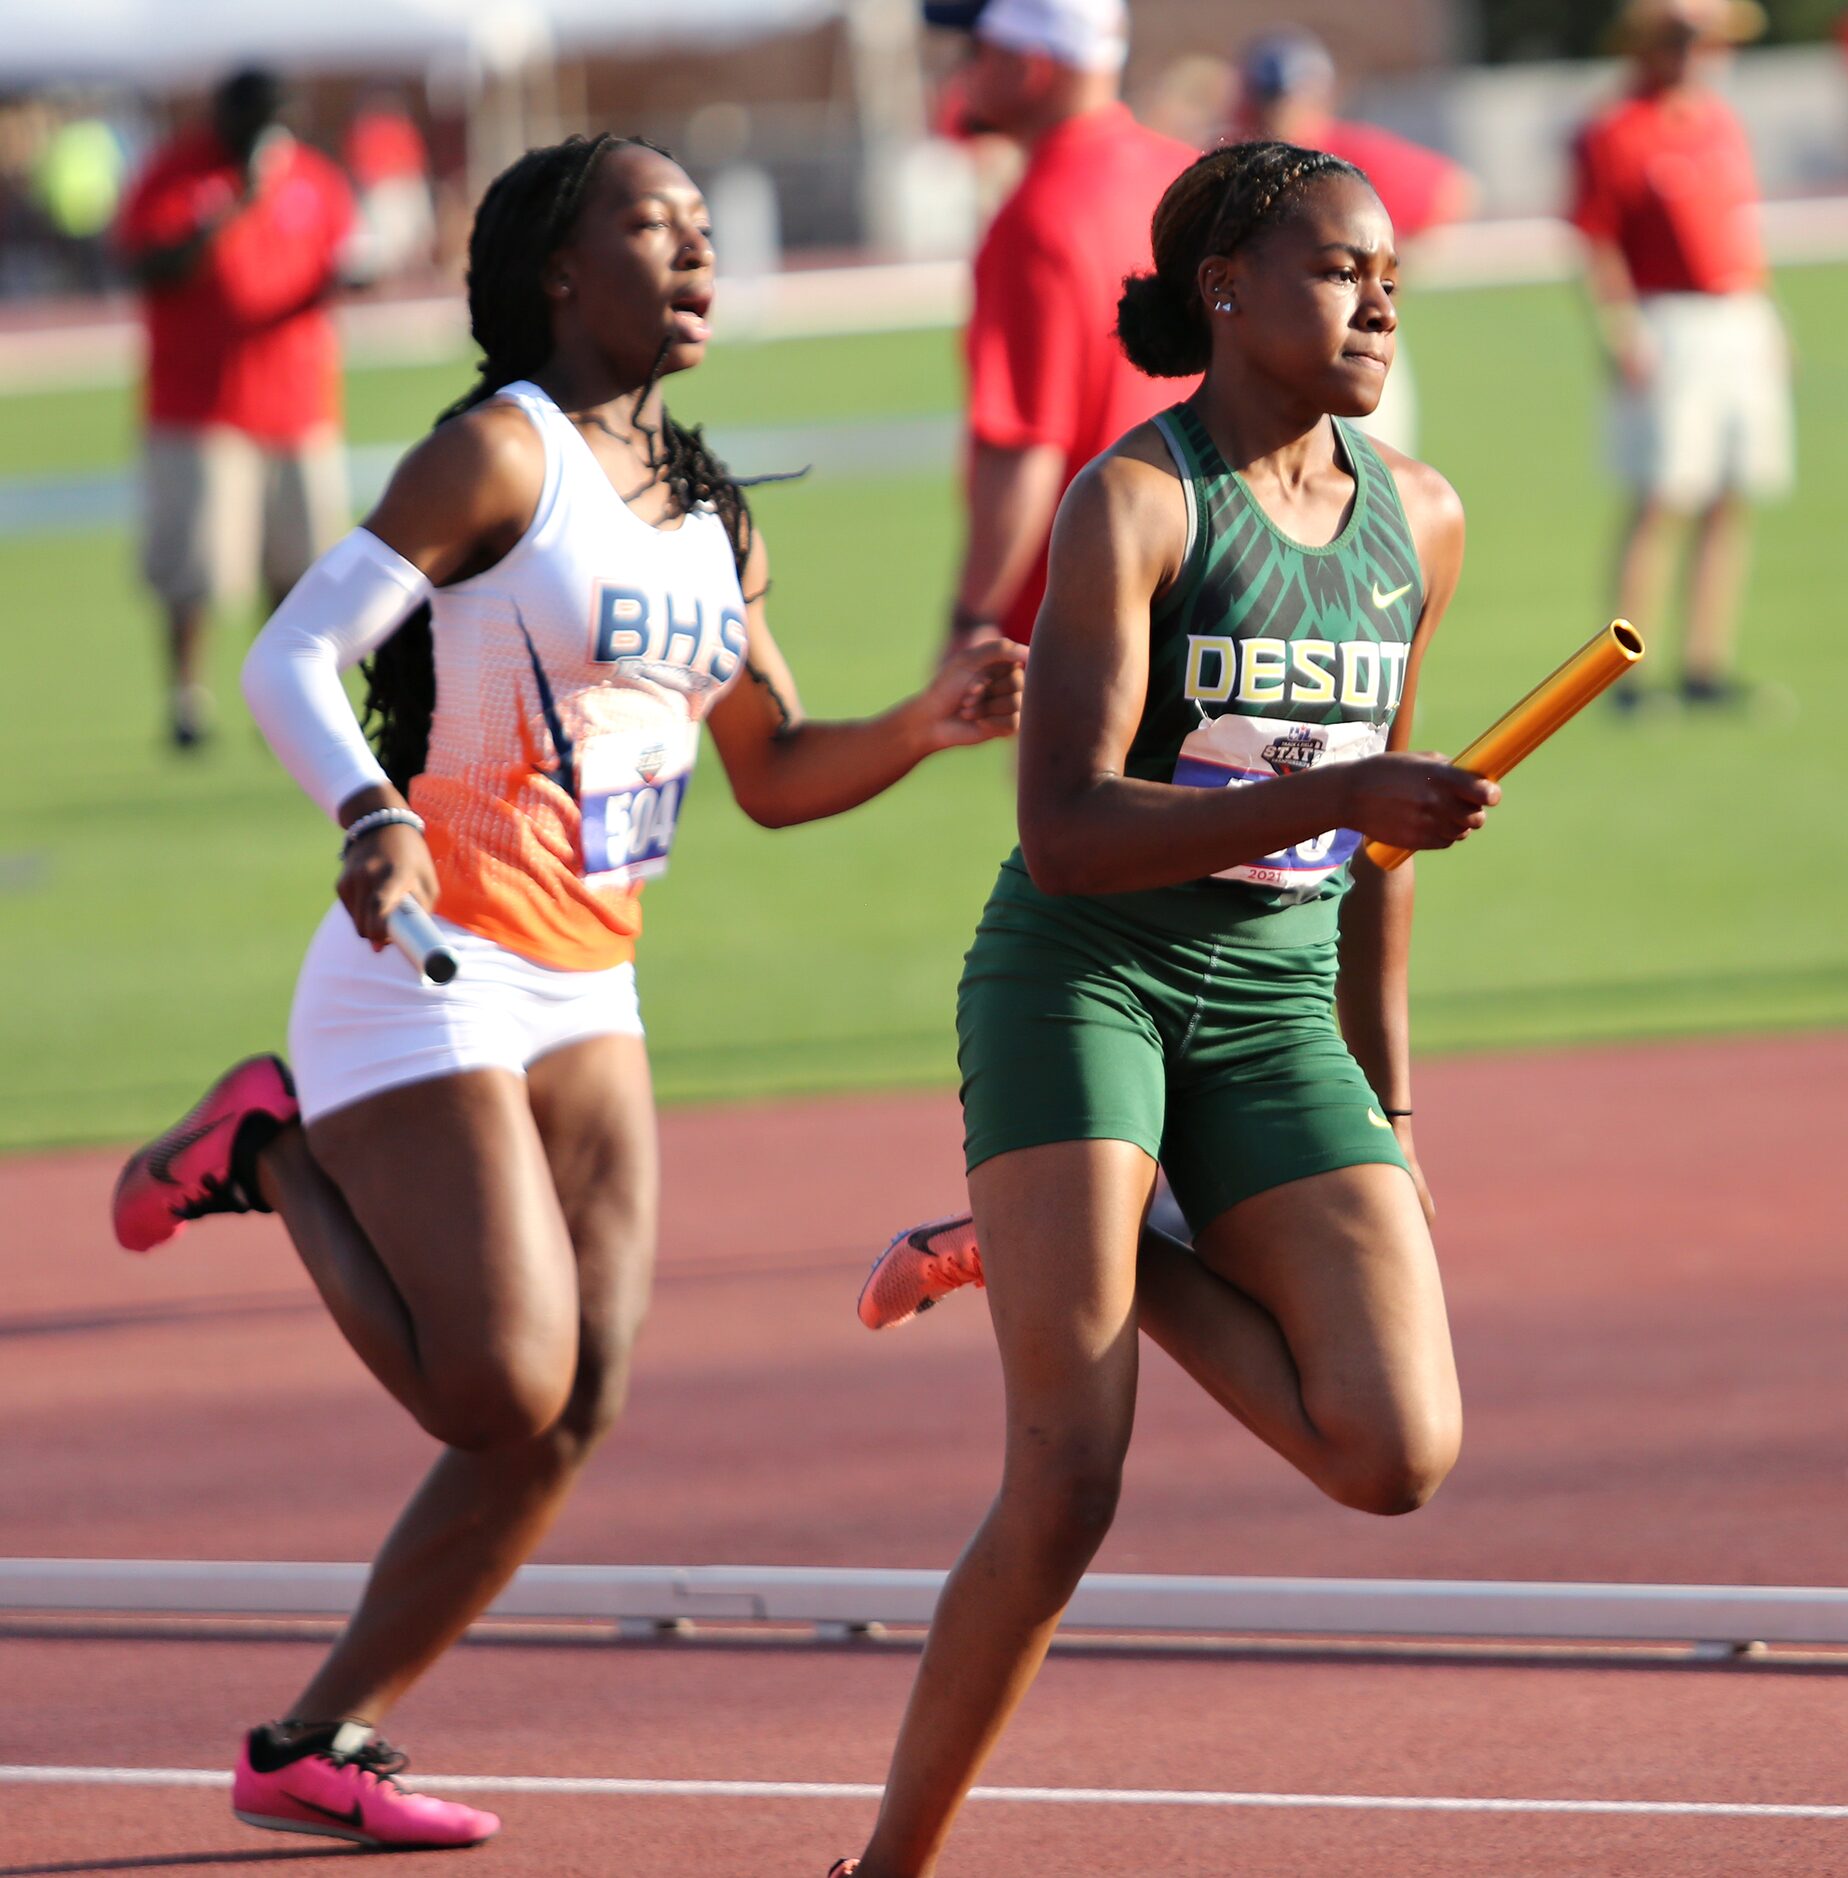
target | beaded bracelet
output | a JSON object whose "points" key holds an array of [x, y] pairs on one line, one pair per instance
{"points": [[376, 819]]}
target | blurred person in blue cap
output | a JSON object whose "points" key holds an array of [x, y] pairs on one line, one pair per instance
{"points": [[1286, 90], [234, 234], [1048, 385]]}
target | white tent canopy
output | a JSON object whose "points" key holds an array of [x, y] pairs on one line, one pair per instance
{"points": [[168, 41]]}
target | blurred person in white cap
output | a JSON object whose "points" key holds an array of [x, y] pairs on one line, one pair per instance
{"points": [[1665, 194], [1049, 387], [1287, 86]]}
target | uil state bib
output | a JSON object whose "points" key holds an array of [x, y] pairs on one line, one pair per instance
{"points": [[1269, 657], [1233, 751]]}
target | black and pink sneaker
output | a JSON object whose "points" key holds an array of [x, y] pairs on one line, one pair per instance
{"points": [[203, 1163], [340, 1782]]}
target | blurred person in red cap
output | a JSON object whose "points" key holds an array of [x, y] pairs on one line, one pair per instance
{"points": [[1666, 198], [234, 233], [1287, 84], [1049, 387], [389, 164]]}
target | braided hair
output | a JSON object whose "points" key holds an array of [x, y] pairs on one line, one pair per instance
{"points": [[1218, 203], [528, 213]]}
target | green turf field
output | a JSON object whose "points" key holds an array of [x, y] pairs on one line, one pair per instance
{"points": [[869, 375], [1643, 877]]}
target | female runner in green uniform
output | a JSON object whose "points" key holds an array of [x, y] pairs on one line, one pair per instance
{"points": [[1242, 594]]}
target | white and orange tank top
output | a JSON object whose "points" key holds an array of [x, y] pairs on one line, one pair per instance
{"points": [[571, 679]]}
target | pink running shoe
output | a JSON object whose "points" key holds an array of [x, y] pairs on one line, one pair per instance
{"points": [[918, 1268], [339, 1782], [202, 1163], [843, 1868]]}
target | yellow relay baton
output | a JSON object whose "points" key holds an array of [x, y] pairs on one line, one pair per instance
{"points": [[1587, 674]]}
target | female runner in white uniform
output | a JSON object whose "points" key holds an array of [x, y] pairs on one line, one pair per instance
{"points": [[470, 1175]]}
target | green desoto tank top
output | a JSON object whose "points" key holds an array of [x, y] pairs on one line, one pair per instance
{"points": [[1267, 657]]}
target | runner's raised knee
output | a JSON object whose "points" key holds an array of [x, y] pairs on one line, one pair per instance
{"points": [[1395, 1469], [495, 1403]]}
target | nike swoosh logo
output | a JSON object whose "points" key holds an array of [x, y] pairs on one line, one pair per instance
{"points": [[1377, 1119], [1386, 599], [351, 1817], [160, 1162]]}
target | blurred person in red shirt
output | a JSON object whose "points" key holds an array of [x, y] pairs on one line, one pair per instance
{"points": [[1286, 90], [389, 164], [1665, 195], [234, 234], [1049, 387]]}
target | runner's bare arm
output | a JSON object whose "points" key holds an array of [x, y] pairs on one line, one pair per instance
{"points": [[786, 768], [1085, 827], [461, 499], [1435, 512], [1376, 917]]}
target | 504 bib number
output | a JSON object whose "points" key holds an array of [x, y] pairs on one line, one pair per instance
{"points": [[629, 832]]}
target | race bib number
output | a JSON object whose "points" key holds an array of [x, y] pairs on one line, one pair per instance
{"points": [[628, 833], [631, 784], [1233, 752]]}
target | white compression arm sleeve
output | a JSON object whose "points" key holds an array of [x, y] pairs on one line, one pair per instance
{"points": [[347, 604]]}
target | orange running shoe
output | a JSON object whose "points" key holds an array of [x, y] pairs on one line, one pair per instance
{"points": [[917, 1269]]}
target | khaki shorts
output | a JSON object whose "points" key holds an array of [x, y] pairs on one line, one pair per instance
{"points": [[221, 509], [1715, 417]]}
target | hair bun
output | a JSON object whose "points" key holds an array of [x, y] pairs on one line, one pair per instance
{"points": [[1161, 333]]}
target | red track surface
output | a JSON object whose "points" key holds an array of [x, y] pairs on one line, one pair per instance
{"points": [[1643, 1253]]}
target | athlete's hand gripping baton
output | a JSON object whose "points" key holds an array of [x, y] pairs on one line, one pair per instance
{"points": [[1587, 674], [421, 940]]}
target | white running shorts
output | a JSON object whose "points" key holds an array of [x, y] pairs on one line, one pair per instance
{"points": [[365, 1021], [1715, 417]]}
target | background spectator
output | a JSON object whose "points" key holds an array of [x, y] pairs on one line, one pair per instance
{"points": [[234, 233], [1665, 196], [79, 187], [1287, 87], [389, 165], [1049, 387]]}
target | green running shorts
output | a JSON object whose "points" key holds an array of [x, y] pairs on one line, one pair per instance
{"points": [[1167, 1020]]}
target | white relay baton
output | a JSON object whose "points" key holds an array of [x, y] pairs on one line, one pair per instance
{"points": [[421, 940]]}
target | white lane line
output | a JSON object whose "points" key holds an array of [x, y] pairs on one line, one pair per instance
{"points": [[1050, 1796]]}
